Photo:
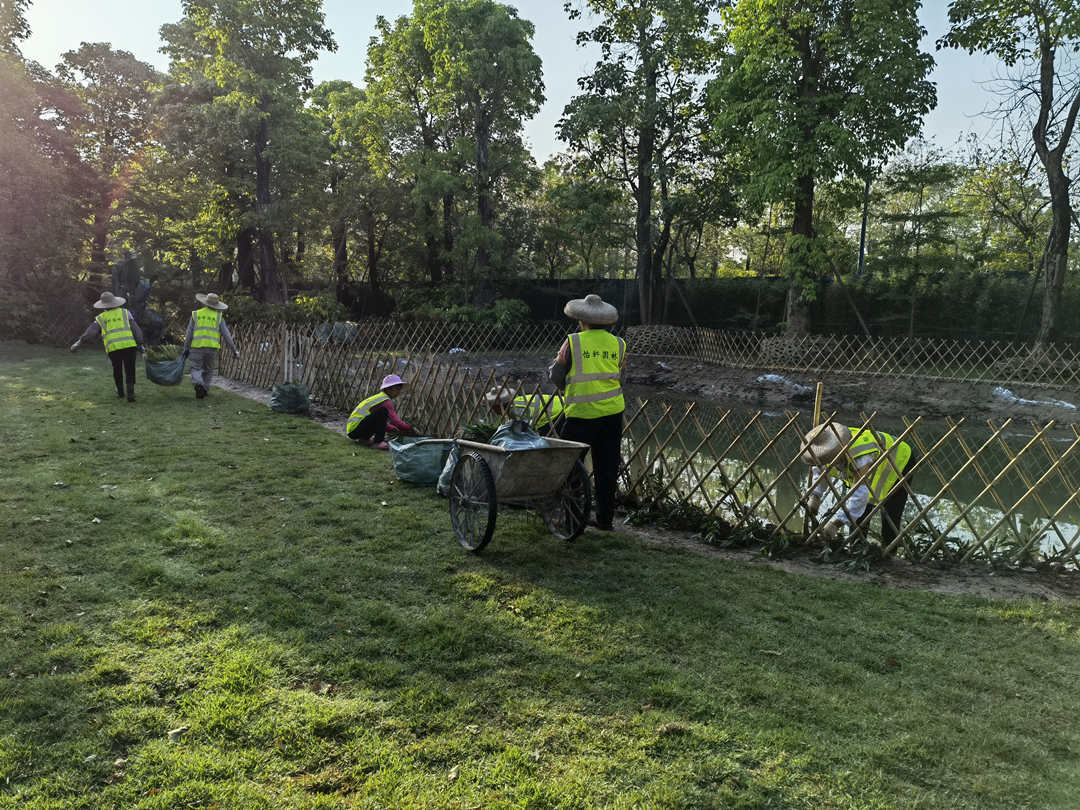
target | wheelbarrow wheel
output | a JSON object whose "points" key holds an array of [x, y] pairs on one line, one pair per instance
{"points": [[472, 501], [568, 513]]}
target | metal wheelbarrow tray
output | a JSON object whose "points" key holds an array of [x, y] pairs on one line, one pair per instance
{"points": [[550, 480]]}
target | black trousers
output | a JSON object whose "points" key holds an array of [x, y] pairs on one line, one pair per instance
{"points": [[604, 437], [123, 365], [372, 426], [892, 508]]}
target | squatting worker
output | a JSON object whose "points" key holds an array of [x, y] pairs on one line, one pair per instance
{"points": [[368, 422], [845, 453], [206, 330], [543, 412], [589, 367], [121, 337]]}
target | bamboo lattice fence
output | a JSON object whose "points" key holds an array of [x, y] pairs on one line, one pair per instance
{"points": [[1005, 492], [1055, 366]]}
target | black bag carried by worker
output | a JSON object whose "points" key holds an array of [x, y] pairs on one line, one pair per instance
{"points": [[290, 398], [165, 372]]}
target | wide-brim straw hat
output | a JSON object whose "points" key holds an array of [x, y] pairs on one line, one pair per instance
{"points": [[499, 396], [109, 301], [825, 443], [211, 300], [390, 380], [591, 309]]}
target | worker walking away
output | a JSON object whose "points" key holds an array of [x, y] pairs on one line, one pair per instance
{"points": [[589, 368], [842, 455], [205, 333], [543, 412], [121, 336], [372, 416]]}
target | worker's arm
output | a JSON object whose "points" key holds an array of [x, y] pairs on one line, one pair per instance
{"points": [[558, 370], [855, 500], [226, 337], [190, 335]]}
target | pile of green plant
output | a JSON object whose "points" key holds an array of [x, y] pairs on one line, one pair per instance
{"points": [[480, 431], [166, 351]]}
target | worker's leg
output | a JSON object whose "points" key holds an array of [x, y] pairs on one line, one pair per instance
{"points": [[209, 367], [893, 509], [128, 360], [117, 370], [372, 428], [197, 358], [603, 435]]}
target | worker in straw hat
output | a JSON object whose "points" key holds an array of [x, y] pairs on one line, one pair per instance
{"points": [[870, 468], [589, 368], [372, 416], [543, 412], [121, 336], [205, 333]]}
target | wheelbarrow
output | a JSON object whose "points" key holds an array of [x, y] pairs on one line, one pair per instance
{"points": [[549, 480]]}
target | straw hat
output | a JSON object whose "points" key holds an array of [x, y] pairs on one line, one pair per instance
{"points": [[824, 443], [109, 301], [499, 396], [591, 309], [390, 380], [211, 300]]}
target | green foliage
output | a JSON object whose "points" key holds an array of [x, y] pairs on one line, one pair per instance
{"points": [[305, 309]]}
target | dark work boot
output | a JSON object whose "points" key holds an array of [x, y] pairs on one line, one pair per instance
{"points": [[119, 394], [131, 395]]}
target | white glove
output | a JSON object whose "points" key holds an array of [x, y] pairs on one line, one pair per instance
{"points": [[75, 346], [236, 354], [831, 530]]}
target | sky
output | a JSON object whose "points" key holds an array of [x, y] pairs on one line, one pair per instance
{"points": [[60, 25]]}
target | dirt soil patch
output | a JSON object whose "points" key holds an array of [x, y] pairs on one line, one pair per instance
{"points": [[649, 376]]}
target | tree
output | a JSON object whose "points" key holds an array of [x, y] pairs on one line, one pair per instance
{"points": [[13, 25], [485, 65], [809, 90], [639, 116], [44, 189], [247, 64], [915, 249], [1036, 36], [113, 125]]}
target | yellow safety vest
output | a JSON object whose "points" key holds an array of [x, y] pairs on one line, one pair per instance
{"points": [[207, 332], [593, 388], [116, 332], [885, 474], [537, 409], [363, 410]]}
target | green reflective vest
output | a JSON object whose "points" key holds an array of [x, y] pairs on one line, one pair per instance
{"points": [[363, 409], [537, 409], [593, 388], [885, 474], [116, 332], [207, 331]]}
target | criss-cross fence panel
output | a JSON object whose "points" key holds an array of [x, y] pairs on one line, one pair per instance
{"points": [[1003, 363], [1004, 492]]}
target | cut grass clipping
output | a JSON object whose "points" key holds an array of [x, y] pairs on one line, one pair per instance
{"points": [[208, 604]]}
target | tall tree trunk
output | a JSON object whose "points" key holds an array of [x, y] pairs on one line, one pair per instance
{"points": [[447, 264], [483, 191], [339, 243], [647, 269], [1055, 260], [245, 259], [269, 288], [371, 234], [796, 312], [431, 246]]}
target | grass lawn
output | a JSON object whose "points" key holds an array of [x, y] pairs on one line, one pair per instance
{"points": [[313, 624]]}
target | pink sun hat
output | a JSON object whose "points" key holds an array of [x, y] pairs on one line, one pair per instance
{"points": [[391, 380]]}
